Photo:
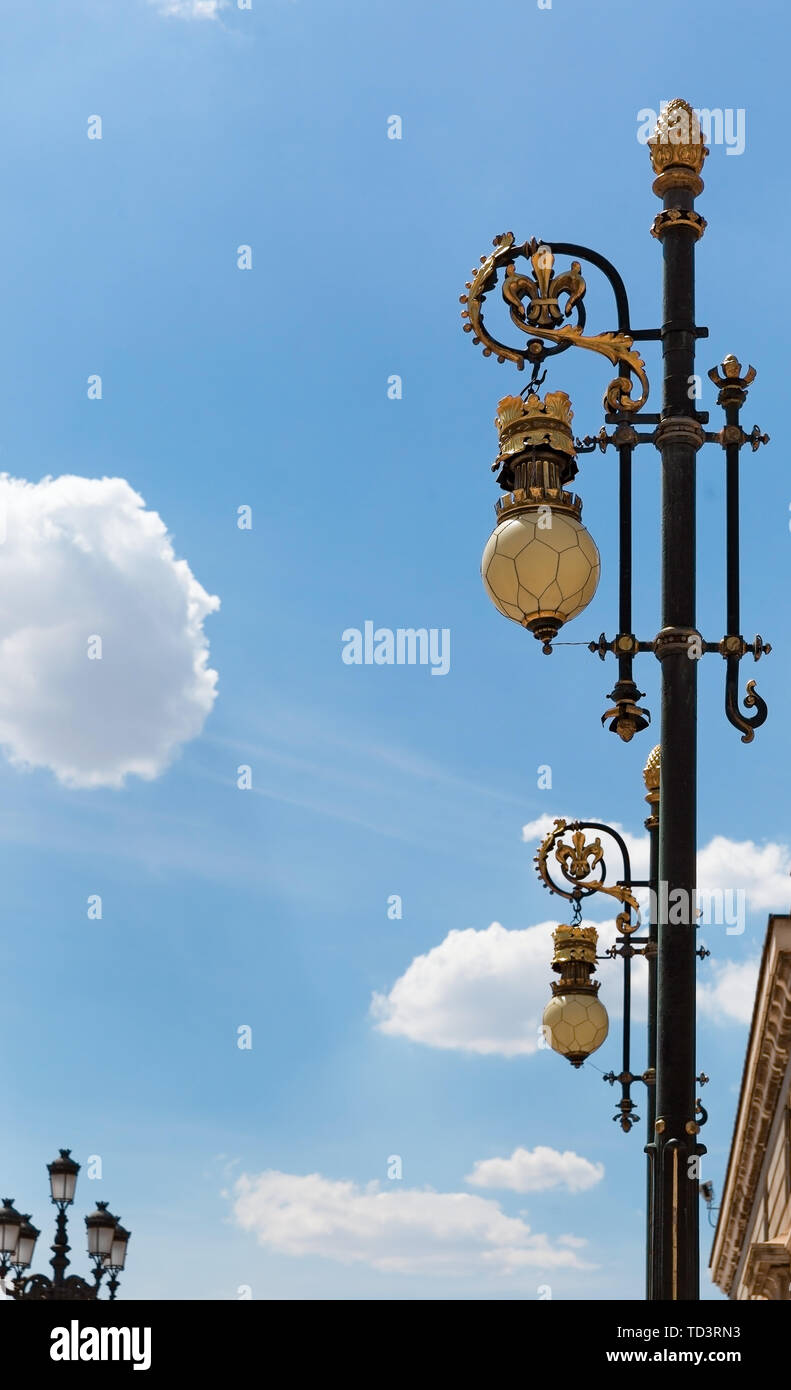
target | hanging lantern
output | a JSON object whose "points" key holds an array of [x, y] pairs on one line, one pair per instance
{"points": [[540, 566], [575, 1020]]}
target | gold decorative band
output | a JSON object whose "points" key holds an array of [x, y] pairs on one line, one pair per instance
{"points": [[678, 217]]}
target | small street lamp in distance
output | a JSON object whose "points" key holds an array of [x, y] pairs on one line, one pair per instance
{"points": [[107, 1244]]}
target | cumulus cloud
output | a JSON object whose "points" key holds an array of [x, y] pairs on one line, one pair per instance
{"points": [[482, 991], [536, 1170], [730, 995], [83, 559], [760, 870], [403, 1230]]}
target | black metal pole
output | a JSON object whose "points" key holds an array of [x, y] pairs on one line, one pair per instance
{"points": [[651, 775], [732, 408], [625, 554], [679, 435]]}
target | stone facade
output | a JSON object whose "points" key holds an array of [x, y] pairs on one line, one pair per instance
{"points": [[751, 1257]]}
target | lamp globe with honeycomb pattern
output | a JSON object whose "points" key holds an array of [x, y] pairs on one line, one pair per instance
{"points": [[540, 566]]}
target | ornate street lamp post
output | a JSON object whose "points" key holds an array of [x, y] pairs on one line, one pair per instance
{"points": [[107, 1242], [541, 568], [572, 1024]]}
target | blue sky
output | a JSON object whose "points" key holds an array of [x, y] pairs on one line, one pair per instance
{"points": [[268, 388]]}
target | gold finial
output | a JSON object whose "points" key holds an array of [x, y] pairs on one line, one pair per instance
{"points": [[677, 140], [651, 769], [651, 773], [732, 384]]}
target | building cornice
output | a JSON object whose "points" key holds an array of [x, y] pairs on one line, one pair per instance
{"points": [[766, 1063]]}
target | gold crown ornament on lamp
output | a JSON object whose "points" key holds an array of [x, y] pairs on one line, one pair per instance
{"points": [[540, 566]]}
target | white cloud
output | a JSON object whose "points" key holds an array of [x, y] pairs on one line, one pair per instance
{"points": [[191, 9], [537, 829], [536, 1170], [761, 870], [83, 558], [482, 991], [731, 994], [401, 1230]]}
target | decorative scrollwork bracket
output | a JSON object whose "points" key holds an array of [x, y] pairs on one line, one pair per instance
{"points": [[534, 304], [579, 861]]}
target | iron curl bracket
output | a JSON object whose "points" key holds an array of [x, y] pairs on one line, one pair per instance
{"points": [[733, 384], [733, 649], [752, 700]]}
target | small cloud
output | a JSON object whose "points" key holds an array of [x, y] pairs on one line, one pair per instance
{"points": [[537, 829], [537, 1170], [761, 871], [191, 9], [731, 995]]}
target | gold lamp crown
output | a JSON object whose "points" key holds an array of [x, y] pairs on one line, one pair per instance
{"points": [[535, 423], [574, 944], [537, 455], [540, 567]]}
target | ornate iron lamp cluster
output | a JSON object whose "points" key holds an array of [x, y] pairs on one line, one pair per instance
{"points": [[107, 1243], [541, 568]]}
